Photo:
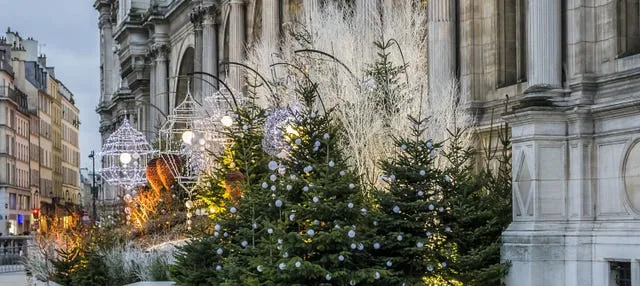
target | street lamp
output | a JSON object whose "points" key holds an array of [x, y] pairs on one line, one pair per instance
{"points": [[94, 193]]}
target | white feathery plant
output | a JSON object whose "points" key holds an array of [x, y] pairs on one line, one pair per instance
{"points": [[348, 34]]}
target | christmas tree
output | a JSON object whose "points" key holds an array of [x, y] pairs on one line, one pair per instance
{"points": [[325, 237], [480, 203], [233, 197], [412, 232]]}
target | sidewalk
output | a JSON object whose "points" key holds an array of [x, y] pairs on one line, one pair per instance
{"points": [[18, 279]]}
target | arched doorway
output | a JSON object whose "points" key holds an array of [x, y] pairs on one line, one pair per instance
{"points": [[186, 67]]}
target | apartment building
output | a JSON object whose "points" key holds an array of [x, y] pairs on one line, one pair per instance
{"points": [[41, 182]]}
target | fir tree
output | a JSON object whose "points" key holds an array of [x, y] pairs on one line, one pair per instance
{"points": [[480, 203], [322, 233], [411, 236], [387, 85]]}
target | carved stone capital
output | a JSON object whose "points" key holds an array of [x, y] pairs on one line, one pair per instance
{"points": [[196, 16], [159, 51]]}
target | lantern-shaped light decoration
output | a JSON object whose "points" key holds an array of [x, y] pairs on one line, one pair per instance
{"points": [[215, 117], [125, 154], [280, 123], [182, 142]]}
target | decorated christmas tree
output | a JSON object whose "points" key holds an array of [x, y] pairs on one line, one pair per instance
{"points": [[233, 198], [412, 231], [325, 237]]}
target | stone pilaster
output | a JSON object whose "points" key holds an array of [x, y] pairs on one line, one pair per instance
{"points": [[151, 123], [107, 53], [197, 17], [161, 80], [236, 42], [442, 43], [271, 23], [544, 47], [210, 44]]}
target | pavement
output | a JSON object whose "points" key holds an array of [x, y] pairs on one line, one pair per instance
{"points": [[19, 279]]}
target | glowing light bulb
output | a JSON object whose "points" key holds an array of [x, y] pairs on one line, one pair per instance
{"points": [[226, 120], [125, 158], [291, 131], [187, 137]]}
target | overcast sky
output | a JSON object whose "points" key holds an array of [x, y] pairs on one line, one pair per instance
{"points": [[69, 31]]}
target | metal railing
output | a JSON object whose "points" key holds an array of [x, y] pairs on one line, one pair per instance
{"points": [[13, 252]]}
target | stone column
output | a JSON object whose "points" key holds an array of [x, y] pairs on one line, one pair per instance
{"points": [[161, 81], [544, 47], [210, 45], [152, 114], [197, 16], [236, 42], [107, 48], [442, 43], [271, 23]]}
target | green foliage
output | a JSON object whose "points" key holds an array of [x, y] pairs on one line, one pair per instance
{"points": [[387, 84], [480, 203], [324, 214], [65, 265], [412, 235]]}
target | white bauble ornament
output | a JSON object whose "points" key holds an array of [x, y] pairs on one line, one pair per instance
{"points": [[396, 209], [341, 258], [289, 187], [316, 200], [310, 232], [331, 164], [273, 165], [282, 266], [270, 230], [292, 217], [272, 177], [342, 173], [218, 268], [376, 245], [419, 244], [328, 277], [377, 275], [298, 264], [219, 251], [259, 268], [350, 205], [389, 263], [278, 203], [422, 172], [351, 233], [399, 237], [352, 186], [233, 210], [244, 243], [217, 227], [354, 246], [265, 185]]}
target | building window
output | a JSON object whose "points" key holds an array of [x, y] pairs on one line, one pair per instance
{"points": [[512, 42], [12, 201], [620, 274], [628, 27]]}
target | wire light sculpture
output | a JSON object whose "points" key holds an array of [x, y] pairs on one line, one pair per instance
{"points": [[125, 155], [182, 142]]}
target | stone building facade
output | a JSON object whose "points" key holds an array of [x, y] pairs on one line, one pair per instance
{"points": [[32, 125], [570, 68]]}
